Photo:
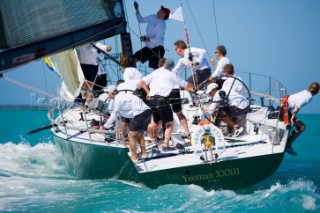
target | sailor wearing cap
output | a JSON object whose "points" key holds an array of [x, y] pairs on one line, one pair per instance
{"points": [[132, 107], [161, 82], [154, 38], [212, 90]]}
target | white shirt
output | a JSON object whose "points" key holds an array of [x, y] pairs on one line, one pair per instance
{"points": [[198, 57], [236, 96], [110, 105], [87, 54], [162, 81], [220, 67], [299, 99], [156, 29], [130, 85], [237, 92], [131, 73], [128, 105]]}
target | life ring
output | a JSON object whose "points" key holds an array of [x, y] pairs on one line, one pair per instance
{"points": [[202, 134]]}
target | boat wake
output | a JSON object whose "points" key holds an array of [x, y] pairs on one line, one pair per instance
{"points": [[36, 177], [40, 161]]}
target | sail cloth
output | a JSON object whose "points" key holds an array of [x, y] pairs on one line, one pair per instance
{"points": [[67, 66], [30, 30]]}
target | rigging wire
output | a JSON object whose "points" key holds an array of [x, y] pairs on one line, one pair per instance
{"points": [[139, 27], [204, 44], [215, 21], [195, 80], [29, 87]]}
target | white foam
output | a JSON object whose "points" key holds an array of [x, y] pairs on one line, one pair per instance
{"points": [[21, 159], [309, 203]]}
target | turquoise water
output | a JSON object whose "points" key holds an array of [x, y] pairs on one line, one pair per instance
{"points": [[34, 178]]}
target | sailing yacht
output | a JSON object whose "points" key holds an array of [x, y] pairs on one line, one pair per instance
{"points": [[212, 159]]}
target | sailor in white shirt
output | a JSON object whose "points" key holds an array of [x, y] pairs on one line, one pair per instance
{"points": [[235, 90], [130, 86], [213, 112], [161, 82], [216, 76], [221, 53], [176, 105], [195, 62], [132, 107], [238, 104], [129, 73], [154, 38], [88, 55], [295, 102]]}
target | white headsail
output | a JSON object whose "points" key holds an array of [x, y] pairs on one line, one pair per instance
{"points": [[67, 65]]}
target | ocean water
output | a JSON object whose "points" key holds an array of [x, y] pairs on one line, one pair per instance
{"points": [[34, 178]]}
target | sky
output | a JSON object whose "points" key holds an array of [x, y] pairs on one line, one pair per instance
{"points": [[277, 38]]}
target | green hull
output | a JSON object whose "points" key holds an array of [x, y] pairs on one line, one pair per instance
{"points": [[94, 161], [230, 174]]}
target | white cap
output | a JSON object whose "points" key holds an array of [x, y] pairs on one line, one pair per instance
{"points": [[110, 89], [211, 86]]}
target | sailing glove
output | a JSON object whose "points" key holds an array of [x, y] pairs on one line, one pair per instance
{"points": [[143, 38], [136, 6], [196, 64]]}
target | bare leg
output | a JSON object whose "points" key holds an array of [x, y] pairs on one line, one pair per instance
{"points": [[89, 94], [132, 146], [83, 92], [154, 128], [300, 128], [228, 121], [168, 132], [123, 130], [183, 122], [141, 141]]}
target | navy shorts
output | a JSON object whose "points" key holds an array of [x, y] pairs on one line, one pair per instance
{"points": [[200, 75], [140, 122], [152, 55], [89, 71], [126, 120], [161, 109], [175, 100]]}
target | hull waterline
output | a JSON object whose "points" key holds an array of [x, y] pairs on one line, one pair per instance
{"points": [[95, 161]]}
